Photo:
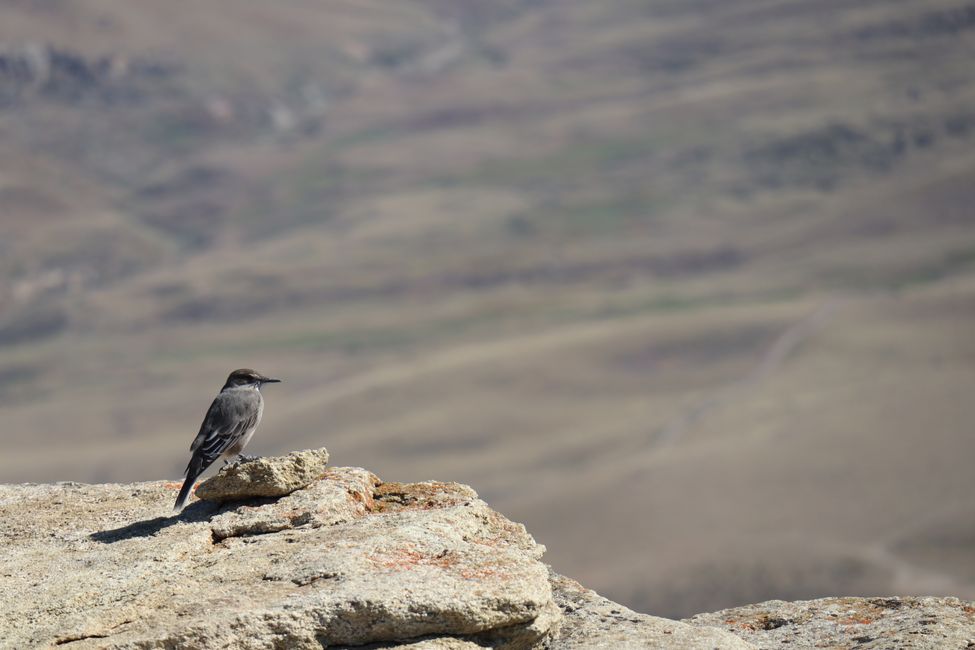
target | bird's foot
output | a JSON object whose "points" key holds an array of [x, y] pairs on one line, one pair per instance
{"points": [[241, 458]]}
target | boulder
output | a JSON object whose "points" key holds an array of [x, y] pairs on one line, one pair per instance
{"points": [[265, 477]]}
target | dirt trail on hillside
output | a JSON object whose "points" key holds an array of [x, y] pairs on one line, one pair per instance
{"points": [[770, 362]]}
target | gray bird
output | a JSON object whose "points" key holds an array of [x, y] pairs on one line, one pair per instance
{"points": [[228, 426]]}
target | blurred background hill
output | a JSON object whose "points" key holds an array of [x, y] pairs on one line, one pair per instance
{"points": [[687, 286]]}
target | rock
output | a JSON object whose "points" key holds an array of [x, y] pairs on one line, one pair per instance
{"points": [[265, 477], [591, 621], [862, 623], [320, 504], [348, 560]]}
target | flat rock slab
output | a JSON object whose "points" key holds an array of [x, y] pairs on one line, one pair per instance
{"points": [[861, 623], [265, 477]]}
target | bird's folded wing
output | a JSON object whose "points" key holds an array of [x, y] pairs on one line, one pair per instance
{"points": [[219, 440], [216, 419]]}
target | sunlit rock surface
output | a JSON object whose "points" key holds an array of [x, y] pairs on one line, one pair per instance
{"points": [[347, 560]]}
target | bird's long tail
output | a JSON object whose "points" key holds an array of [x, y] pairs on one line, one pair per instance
{"points": [[193, 471]]}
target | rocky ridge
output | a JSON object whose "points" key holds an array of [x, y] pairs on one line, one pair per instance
{"points": [[338, 558]]}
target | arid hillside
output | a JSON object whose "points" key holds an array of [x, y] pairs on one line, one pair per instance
{"points": [[702, 270]]}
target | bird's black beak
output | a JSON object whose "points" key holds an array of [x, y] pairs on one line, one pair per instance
{"points": [[268, 380]]}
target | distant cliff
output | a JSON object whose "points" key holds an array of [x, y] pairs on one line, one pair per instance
{"points": [[336, 557]]}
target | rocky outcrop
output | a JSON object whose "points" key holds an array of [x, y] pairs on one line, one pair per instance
{"points": [[591, 621], [341, 559], [861, 623]]}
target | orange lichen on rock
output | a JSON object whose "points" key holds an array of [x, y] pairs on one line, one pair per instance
{"points": [[408, 557], [394, 497]]}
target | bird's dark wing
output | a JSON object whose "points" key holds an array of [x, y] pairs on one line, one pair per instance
{"points": [[229, 417], [211, 421]]}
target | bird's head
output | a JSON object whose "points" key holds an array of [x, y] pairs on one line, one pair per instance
{"points": [[247, 377]]}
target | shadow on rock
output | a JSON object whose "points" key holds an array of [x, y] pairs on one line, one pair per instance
{"points": [[193, 513]]}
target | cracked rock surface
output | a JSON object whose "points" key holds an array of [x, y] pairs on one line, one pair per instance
{"points": [[344, 561]]}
